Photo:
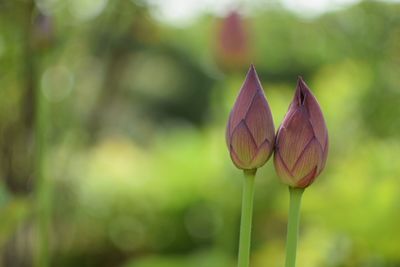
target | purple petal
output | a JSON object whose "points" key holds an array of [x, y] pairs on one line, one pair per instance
{"points": [[324, 156], [263, 154], [301, 93], [235, 159], [259, 120], [282, 170], [315, 114], [293, 137], [308, 179], [248, 90], [310, 159], [242, 144]]}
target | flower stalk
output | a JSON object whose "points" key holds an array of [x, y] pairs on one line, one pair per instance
{"points": [[246, 218], [250, 138], [293, 225]]}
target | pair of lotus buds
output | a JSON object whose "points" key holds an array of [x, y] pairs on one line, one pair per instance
{"points": [[300, 145]]}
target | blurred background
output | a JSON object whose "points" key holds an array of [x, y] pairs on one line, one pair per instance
{"points": [[112, 121]]}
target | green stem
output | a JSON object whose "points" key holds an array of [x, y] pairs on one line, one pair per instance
{"points": [[247, 214], [293, 225]]}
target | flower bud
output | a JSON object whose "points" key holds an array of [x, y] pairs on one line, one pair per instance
{"points": [[233, 42], [250, 131], [301, 146]]}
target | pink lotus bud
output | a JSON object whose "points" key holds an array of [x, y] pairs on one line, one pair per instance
{"points": [[250, 131], [233, 42], [301, 146]]}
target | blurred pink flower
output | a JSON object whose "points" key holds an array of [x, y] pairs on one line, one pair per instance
{"points": [[233, 42]]}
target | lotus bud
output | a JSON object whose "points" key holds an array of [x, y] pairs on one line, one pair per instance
{"points": [[233, 42], [250, 131], [301, 146]]}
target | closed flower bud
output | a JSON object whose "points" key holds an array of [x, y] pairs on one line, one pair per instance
{"points": [[233, 42], [250, 131], [301, 146]]}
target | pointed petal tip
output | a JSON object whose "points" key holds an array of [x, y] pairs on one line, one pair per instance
{"points": [[300, 82], [252, 69], [252, 80], [302, 90]]}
